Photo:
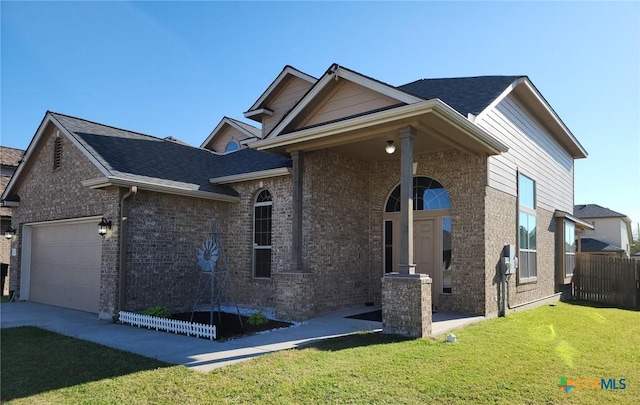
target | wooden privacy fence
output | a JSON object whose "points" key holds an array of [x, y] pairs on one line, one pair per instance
{"points": [[606, 279]]}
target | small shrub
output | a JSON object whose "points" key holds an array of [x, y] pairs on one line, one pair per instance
{"points": [[159, 311], [257, 319]]}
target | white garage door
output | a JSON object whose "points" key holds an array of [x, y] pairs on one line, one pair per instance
{"points": [[65, 265]]}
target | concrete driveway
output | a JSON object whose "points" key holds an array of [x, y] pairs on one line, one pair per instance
{"points": [[198, 354]]}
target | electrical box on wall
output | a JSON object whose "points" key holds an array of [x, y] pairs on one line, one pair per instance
{"points": [[509, 259]]}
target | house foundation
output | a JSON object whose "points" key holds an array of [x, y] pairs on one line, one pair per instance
{"points": [[406, 304]]}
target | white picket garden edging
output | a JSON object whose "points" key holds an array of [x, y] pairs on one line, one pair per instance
{"points": [[168, 325]]}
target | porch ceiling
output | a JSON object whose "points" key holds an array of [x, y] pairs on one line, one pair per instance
{"points": [[437, 126]]}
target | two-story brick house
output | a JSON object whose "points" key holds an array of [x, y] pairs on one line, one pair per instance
{"points": [[313, 202]]}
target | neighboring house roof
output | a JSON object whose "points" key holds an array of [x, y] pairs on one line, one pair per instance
{"points": [[467, 95], [4, 181], [131, 158], [598, 246], [10, 156], [595, 211], [9, 159]]}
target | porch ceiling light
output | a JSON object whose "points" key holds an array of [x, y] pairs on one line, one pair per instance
{"points": [[10, 233], [103, 226], [390, 148]]}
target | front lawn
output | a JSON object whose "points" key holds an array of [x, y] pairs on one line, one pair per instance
{"points": [[518, 359]]}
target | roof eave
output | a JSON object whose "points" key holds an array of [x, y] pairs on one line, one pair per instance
{"points": [[257, 115], [9, 203], [263, 174], [582, 224], [102, 182], [412, 110]]}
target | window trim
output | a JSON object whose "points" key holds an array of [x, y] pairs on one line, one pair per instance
{"points": [[437, 214], [255, 246], [416, 179], [566, 253], [232, 142], [523, 209]]}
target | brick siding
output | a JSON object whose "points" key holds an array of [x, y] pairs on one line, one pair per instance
{"points": [[47, 194]]}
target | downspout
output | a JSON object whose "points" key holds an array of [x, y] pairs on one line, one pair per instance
{"points": [[123, 245]]}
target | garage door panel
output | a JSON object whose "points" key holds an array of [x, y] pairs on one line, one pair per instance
{"points": [[67, 296], [65, 265]]}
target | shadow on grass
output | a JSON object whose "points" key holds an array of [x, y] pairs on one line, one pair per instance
{"points": [[599, 305], [356, 340], [34, 360]]}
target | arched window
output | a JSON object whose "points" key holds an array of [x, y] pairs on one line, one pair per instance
{"points": [[231, 146], [428, 194], [262, 211]]}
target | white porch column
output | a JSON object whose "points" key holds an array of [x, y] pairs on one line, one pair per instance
{"points": [[407, 265]]}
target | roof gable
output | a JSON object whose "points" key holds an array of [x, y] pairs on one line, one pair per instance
{"points": [[242, 131], [528, 95], [257, 109], [341, 99], [324, 85]]}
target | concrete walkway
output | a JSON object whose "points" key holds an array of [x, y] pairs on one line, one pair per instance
{"points": [[198, 354]]}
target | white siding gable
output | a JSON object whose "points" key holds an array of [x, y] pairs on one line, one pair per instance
{"points": [[533, 151]]}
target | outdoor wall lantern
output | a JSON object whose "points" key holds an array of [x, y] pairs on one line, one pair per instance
{"points": [[103, 226], [10, 233], [390, 148]]}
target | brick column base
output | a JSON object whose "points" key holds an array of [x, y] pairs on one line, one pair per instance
{"points": [[294, 296], [406, 304]]}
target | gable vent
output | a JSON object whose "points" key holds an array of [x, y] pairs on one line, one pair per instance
{"points": [[57, 153]]}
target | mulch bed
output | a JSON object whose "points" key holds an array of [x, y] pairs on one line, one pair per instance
{"points": [[228, 325], [368, 316]]}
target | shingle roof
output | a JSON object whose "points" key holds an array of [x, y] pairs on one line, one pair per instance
{"points": [[138, 157], [594, 211], [467, 95], [10, 156], [595, 245], [257, 132]]}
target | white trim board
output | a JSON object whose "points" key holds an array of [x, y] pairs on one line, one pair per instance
{"points": [[102, 182]]}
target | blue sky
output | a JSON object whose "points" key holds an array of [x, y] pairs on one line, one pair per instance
{"points": [[169, 68]]}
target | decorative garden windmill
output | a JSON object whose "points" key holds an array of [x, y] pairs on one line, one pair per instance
{"points": [[213, 264]]}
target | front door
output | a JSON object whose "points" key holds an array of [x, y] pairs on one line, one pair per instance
{"points": [[424, 253]]}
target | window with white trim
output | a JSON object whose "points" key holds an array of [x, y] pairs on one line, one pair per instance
{"points": [[527, 238], [262, 214], [232, 146], [569, 248]]}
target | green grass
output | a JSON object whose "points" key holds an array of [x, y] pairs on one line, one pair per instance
{"points": [[4, 298], [513, 360]]}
